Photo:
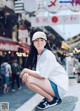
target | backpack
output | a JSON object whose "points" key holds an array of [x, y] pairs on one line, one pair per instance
{"points": [[15, 68], [3, 69]]}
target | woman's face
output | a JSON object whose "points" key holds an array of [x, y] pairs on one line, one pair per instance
{"points": [[39, 44]]}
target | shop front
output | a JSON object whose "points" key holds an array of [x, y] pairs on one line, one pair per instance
{"points": [[10, 50], [7, 49]]}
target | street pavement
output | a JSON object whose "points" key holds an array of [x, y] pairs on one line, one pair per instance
{"points": [[17, 98], [71, 101], [26, 100]]}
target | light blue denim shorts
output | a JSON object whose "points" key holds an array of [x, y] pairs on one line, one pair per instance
{"points": [[55, 89], [7, 80]]}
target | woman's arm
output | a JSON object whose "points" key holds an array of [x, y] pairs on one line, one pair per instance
{"points": [[30, 72]]}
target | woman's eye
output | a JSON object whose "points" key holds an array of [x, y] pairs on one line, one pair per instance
{"points": [[36, 40], [41, 39]]}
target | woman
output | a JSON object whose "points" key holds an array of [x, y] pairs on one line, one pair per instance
{"points": [[49, 79]]}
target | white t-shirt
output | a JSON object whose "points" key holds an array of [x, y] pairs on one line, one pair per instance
{"points": [[8, 67], [48, 67]]}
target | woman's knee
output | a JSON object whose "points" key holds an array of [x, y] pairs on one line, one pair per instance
{"points": [[29, 80], [28, 83]]}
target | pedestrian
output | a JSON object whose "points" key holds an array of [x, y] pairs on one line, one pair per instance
{"points": [[6, 73], [77, 68], [15, 74], [49, 78]]}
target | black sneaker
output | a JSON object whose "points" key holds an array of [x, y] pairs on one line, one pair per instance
{"points": [[46, 104], [59, 101], [43, 100]]}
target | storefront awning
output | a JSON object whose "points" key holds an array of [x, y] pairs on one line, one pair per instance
{"points": [[24, 47], [8, 45], [65, 46]]}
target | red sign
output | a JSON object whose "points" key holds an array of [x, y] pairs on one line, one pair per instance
{"points": [[8, 45], [52, 5]]}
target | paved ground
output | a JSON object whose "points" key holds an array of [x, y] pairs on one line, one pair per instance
{"points": [[71, 101], [17, 98], [26, 100], [67, 104]]}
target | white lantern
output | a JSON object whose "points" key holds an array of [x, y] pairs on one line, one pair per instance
{"points": [[30, 5]]}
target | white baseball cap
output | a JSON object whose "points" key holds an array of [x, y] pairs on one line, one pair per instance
{"points": [[39, 34]]}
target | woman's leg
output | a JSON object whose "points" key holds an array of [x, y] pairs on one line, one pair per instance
{"points": [[40, 86]]}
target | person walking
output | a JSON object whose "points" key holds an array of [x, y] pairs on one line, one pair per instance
{"points": [[49, 79], [15, 74], [6, 73]]}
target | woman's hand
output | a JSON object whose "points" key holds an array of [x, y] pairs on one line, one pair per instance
{"points": [[31, 73], [25, 78], [23, 72]]}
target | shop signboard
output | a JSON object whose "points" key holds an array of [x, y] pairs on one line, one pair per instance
{"points": [[19, 6], [56, 5], [52, 5], [22, 33], [8, 47]]}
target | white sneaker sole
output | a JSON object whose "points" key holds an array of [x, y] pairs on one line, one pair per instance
{"points": [[47, 106]]}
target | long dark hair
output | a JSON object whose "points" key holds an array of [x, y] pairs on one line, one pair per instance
{"points": [[32, 57]]}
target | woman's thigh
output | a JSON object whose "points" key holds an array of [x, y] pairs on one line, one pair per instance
{"points": [[43, 84]]}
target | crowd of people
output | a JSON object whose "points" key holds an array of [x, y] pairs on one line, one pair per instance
{"points": [[9, 75]]}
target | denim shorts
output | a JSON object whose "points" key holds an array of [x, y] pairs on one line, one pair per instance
{"points": [[55, 89], [7, 80]]}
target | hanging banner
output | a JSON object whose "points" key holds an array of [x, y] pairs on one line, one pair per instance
{"points": [[52, 5], [54, 20], [19, 6], [74, 5]]}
